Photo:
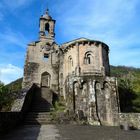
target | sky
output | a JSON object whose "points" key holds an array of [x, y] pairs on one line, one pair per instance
{"points": [[114, 22]]}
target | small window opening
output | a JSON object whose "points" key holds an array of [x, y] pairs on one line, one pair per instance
{"points": [[47, 29], [46, 56], [70, 63]]}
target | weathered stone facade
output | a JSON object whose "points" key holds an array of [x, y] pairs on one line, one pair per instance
{"points": [[77, 70]]}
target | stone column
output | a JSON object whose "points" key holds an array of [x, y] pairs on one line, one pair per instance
{"points": [[78, 61], [107, 92], [93, 119], [101, 59]]}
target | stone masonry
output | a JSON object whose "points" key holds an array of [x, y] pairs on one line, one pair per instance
{"points": [[78, 71]]}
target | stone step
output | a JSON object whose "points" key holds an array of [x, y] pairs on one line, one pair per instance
{"points": [[40, 106], [40, 103], [37, 115], [40, 110], [38, 118], [32, 122]]}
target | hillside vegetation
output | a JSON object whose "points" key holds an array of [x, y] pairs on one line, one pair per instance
{"points": [[128, 87], [15, 86], [8, 93]]}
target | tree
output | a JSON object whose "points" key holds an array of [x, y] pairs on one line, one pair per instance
{"points": [[5, 98], [126, 95]]}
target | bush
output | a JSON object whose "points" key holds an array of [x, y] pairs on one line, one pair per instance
{"points": [[5, 98], [129, 87]]}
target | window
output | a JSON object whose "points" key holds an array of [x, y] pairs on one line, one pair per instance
{"points": [[47, 28], [70, 63], [46, 56], [88, 59]]}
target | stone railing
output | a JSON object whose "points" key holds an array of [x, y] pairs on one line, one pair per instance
{"points": [[9, 120], [131, 119]]}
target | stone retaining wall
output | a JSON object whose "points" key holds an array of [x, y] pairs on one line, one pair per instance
{"points": [[23, 102], [132, 119], [9, 120]]}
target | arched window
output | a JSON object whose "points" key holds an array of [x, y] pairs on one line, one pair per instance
{"points": [[88, 59], [70, 63], [47, 26]]}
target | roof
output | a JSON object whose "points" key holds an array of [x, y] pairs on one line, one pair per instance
{"points": [[65, 45]]}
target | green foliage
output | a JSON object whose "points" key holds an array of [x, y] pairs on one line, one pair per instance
{"points": [[15, 86], [59, 106], [5, 98], [126, 95], [8, 94], [128, 86], [58, 113]]}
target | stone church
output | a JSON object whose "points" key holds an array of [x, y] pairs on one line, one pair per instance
{"points": [[77, 71]]}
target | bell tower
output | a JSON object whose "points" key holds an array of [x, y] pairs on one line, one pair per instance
{"points": [[47, 26]]}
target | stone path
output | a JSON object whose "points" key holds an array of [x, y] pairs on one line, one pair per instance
{"points": [[70, 132]]}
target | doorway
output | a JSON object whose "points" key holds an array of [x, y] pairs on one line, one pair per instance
{"points": [[45, 80]]}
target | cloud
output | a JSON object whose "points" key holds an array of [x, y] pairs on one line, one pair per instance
{"points": [[13, 37], [97, 16], [9, 72], [13, 7], [114, 22]]}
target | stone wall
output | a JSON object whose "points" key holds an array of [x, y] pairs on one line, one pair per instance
{"points": [[95, 97], [90, 56], [132, 119], [41, 57], [9, 120], [22, 103], [83, 57]]}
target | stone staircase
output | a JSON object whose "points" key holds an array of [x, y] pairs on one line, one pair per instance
{"points": [[40, 111], [38, 118]]}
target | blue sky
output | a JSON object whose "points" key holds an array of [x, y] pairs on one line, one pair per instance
{"points": [[115, 22]]}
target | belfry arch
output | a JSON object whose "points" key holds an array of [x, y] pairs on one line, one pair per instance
{"points": [[47, 27]]}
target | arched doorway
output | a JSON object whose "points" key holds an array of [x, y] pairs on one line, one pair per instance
{"points": [[45, 79]]}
